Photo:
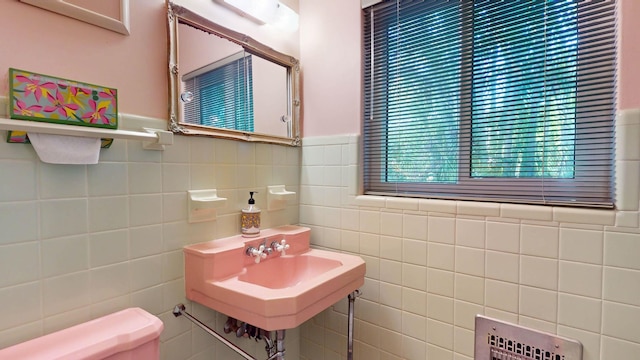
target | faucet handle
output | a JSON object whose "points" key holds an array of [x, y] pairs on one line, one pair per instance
{"points": [[258, 253], [281, 247]]}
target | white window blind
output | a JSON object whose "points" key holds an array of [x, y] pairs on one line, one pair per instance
{"points": [[510, 101], [222, 94]]}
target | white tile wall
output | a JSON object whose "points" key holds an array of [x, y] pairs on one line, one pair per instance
{"points": [[571, 272], [79, 242]]}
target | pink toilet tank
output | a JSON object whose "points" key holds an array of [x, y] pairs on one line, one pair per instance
{"points": [[131, 334]]}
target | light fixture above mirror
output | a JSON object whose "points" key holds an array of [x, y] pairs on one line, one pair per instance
{"points": [[262, 97]]}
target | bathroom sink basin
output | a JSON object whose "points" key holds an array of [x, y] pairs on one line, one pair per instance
{"points": [[299, 268], [281, 291]]}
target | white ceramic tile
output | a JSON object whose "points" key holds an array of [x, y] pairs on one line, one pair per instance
{"points": [[581, 245], [579, 312], [19, 334], [350, 219], [413, 349], [66, 319], [621, 250], [503, 236], [332, 176], [391, 224], [539, 272], [246, 153], [414, 252], [627, 219], [441, 256], [108, 213], [402, 203], [470, 261], [332, 155], [622, 285], [539, 241], [109, 282], [580, 279], [205, 176], [440, 308], [414, 227], [537, 324], [145, 178], [414, 301], [465, 314], [391, 295], [175, 177], [146, 272], [64, 255], [136, 153], [108, 247], [528, 212], [28, 298], [414, 326], [178, 152], [613, 348], [585, 216], [202, 150], [370, 244], [105, 179], [174, 207], [63, 217], [627, 136], [145, 241], [245, 176], [627, 179], [621, 321], [436, 352], [463, 344], [590, 342], [391, 272], [478, 208], [19, 263], [440, 334], [538, 303], [66, 293], [312, 155], [441, 206], [23, 214], [391, 248], [469, 288], [18, 179], [502, 266], [59, 181], [145, 210], [369, 221], [226, 151], [414, 276], [441, 229], [440, 282], [149, 299], [502, 295], [470, 233]]}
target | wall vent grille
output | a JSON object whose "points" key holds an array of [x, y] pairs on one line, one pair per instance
{"points": [[498, 340]]}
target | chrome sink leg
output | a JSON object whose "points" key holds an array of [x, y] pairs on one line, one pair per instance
{"points": [[352, 299]]}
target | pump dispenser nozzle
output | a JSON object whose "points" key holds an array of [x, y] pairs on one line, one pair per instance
{"points": [[251, 218]]}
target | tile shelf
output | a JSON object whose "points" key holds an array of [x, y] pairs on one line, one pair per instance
{"points": [[152, 139]]}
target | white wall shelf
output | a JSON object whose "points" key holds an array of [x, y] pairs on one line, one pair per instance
{"points": [[203, 205], [152, 139], [277, 197]]}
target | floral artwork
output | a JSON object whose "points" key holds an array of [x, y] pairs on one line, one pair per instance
{"points": [[45, 98]]}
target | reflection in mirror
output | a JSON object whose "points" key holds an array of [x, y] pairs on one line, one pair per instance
{"points": [[228, 85]]}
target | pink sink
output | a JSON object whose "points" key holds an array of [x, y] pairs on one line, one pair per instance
{"points": [[280, 292]]}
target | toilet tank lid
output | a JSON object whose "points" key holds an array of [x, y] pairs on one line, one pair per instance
{"points": [[96, 339]]}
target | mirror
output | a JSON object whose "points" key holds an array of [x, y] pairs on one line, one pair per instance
{"points": [[228, 85]]}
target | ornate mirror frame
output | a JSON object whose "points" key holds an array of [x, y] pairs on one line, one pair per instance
{"points": [[178, 14]]}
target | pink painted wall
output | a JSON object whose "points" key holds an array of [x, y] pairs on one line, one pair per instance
{"points": [[331, 53], [37, 40]]}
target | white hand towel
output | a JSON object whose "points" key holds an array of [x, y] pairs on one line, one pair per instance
{"points": [[64, 149]]}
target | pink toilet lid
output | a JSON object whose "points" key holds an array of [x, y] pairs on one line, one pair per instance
{"points": [[95, 339]]}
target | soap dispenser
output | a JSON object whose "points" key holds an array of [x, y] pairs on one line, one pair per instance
{"points": [[251, 218]]}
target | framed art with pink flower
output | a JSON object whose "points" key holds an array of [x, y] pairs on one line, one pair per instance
{"points": [[50, 99]]}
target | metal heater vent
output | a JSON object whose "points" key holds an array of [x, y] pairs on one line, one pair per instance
{"points": [[498, 340]]}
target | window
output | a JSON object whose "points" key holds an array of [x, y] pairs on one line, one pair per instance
{"points": [[222, 94], [509, 100]]}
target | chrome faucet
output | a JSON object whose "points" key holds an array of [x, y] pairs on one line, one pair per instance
{"points": [[280, 247], [258, 254]]}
